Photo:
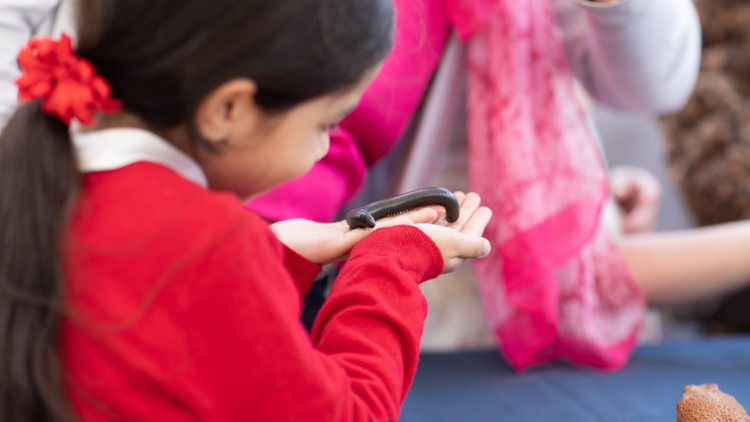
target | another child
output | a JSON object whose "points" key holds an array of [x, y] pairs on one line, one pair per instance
{"points": [[130, 291]]}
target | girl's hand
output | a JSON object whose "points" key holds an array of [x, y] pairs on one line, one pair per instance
{"points": [[463, 239], [326, 243], [638, 194]]}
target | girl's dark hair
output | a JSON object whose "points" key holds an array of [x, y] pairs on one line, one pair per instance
{"points": [[161, 58]]}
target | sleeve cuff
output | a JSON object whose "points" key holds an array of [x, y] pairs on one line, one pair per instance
{"points": [[622, 11], [303, 270], [590, 4], [415, 251]]}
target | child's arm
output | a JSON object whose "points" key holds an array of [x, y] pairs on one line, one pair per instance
{"points": [[326, 243], [252, 355], [370, 326], [691, 264], [302, 270], [249, 358]]}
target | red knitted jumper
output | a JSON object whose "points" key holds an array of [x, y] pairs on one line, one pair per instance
{"points": [[183, 306]]}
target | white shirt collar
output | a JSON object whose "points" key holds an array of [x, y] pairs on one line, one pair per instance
{"points": [[111, 149]]}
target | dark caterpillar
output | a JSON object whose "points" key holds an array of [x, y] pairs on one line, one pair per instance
{"points": [[367, 215]]}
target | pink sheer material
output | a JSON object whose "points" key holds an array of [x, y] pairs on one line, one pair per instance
{"points": [[554, 286]]}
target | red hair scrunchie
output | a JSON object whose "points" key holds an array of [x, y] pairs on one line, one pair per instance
{"points": [[67, 84]]}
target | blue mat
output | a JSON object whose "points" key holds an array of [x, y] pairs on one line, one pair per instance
{"points": [[473, 387]]}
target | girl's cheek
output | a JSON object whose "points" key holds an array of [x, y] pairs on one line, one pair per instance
{"points": [[323, 146]]}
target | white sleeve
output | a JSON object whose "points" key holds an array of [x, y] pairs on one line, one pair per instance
{"points": [[19, 20], [633, 55]]}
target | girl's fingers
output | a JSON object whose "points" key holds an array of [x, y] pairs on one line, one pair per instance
{"points": [[478, 222], [351, 237], [442, 222], [473, 247], [471, 202], [338, 225], [452, 265], [460, 196], [468, 207], [438, 209], [454, 246], [417, 216], [468, 247]]}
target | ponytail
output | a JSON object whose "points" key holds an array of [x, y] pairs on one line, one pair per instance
{"points": [[38, 182]]}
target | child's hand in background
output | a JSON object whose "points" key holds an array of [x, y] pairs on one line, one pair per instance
{"points": [[324, 243], [638, 194], [463, 239]]}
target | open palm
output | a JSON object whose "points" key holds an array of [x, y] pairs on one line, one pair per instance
{"points": [[324, 243]]}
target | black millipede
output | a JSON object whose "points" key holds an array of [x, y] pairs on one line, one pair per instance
{"points": [[367, 215]]}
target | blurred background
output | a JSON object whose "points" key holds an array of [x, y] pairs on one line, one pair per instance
{"points": [[704, 162], [701, 156]]}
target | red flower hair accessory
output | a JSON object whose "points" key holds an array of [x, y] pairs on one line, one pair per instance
{"points": [[67, 84]]}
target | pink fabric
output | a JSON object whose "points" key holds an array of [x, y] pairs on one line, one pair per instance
{"points": [[555, 286], [468, 16], [371, 130]]}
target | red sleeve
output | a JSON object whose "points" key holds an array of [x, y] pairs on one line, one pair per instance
{"points": [[372, 322], [303, 270], [225, 342]]}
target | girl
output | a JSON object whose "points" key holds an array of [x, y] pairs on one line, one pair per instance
{"points": [[132, 292]]}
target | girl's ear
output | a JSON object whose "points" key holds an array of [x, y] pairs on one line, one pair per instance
{"points": [[227, 109]]}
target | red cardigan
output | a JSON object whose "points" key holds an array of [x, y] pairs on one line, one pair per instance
{"points": [[183, 306]]}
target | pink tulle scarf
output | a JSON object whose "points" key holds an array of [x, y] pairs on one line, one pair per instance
{"points": [[555, 286]]}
